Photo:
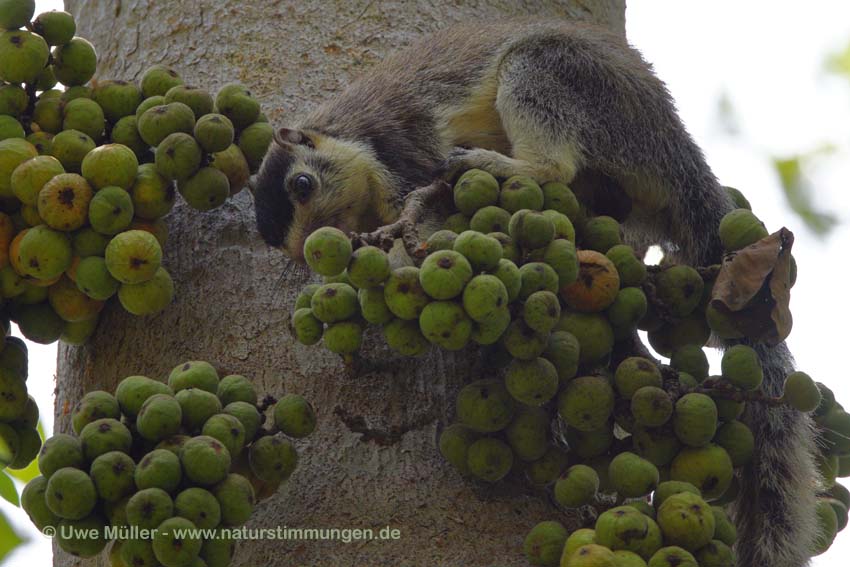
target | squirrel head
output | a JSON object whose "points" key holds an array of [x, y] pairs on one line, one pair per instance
{"points": [[309, 180]]}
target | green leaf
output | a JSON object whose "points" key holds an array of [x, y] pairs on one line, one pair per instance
{"points": [[839, 63], [31, 471], [798, 191], [8, 490], [9, 540]]}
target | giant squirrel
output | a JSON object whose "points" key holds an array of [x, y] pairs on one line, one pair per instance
{"points": [[549, 100]]}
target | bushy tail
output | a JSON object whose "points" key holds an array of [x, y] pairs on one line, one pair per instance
{"points": [[775, 513]]}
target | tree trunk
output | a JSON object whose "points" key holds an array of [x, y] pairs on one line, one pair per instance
{"points": [[372, 461]]}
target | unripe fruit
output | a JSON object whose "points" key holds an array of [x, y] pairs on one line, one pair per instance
{"points": [[586, 402], [686, 520], [474, 190], [178, 157], [110, 165], [369, 266], [446, 324], [510, 276], [528, 433], [489, 220], [70, 147], [651, 406], [740, 228], [631, 269], [148, 297], [632, 476], [235, 102], [117, 98], [110, 210], [444, 274], [158, 122], [159, 417], [158, 79], [60, 451], [547, 468], [272, 458], [544, 543], [159, 468], [133, 391], [691, 359], [205, 189], [531, 229], [294, 416], [594, 334], [827, 527], [105, 435], [405, 337], [404, 294], [601, 234], [23, 55], [483, 297], [485, 406], [559, 197], [489, 459], [541, 311], [742, 368], [679, 288], [577, 486], [70, 494], [532, 382], [523, 342], [214, 132], [695, 419], [454, 445], [593, 555], [634, 373], [801, 392], [562, 350], [441, 240], [738, 441], [334, 302], [708, 468], [254, 142], [672, 556], [483, 252], [75, 62], [34, 504], [520, 192], [205, 460]]}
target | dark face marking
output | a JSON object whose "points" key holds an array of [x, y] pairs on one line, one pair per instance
{"points": [[272, 205]]}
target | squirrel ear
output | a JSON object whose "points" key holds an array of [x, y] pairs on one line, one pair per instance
{"points": [[288, 137]]}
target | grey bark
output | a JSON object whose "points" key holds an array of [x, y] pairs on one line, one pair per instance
{"points": [[373, 460]]}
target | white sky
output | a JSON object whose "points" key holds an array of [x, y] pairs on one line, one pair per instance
{"points": [[767, 56]]}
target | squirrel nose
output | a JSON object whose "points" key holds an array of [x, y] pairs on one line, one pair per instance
{"points": [[294, 248]]}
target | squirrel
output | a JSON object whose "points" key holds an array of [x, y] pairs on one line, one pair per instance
{"points": [[550, 100]]}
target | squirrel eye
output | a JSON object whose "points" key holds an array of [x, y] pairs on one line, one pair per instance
{"points": [[302, 186]]}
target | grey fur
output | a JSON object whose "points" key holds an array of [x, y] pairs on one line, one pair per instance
{"points": [[559, 98], [775, 514]]}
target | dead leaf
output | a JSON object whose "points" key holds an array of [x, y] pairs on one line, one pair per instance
{"points": [[753, 288]]}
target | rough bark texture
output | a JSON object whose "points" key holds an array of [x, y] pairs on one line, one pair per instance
{"points": [[373, 460]]}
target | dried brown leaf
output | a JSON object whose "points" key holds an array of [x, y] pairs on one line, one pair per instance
{"points": [[753, 288]]}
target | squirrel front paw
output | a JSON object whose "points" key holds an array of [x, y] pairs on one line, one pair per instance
{"points": [[457, 160], [461, 159]]}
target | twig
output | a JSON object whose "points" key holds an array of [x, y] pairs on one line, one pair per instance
{"points": [[416, 205]]}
